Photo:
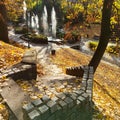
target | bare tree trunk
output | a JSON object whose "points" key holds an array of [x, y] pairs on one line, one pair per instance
{"points": [[3, 23], [105, 34]]}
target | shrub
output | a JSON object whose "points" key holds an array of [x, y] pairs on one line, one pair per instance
{"points": [[36, 38], [21, 30], [93, 45], [113, 49], [72, 37]]}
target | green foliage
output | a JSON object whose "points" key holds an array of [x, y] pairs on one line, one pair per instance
{"points": [[93, 45], [31, 4], [21, 30], [36, 38], [113, 49]]}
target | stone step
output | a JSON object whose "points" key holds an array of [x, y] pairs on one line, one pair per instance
{"points": [[15, 97]]}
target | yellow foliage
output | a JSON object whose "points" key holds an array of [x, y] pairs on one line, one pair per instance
{"points": [[9, 54], [106, 95]]}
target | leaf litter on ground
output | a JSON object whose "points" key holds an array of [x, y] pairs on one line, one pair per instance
{"points": [[106, 91]]}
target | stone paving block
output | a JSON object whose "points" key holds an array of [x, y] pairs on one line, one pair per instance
{"points": [[79, 92], [69, 102], [45, 98], [34, 115], [90, 84], [84, 84], [44, 110], [78, 102], [28, 107], [85, 76], [62, 104], [89, 80], [52, 106], [82, 99], [83, 89], [61, 96], [89, 88], [55, 99], [85, 95], [74, 94], [73, 97], [67, 94], [37, 102], [89, 92]]}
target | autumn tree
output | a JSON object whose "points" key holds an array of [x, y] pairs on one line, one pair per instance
{"points": [[105, 34], [3, 22]]}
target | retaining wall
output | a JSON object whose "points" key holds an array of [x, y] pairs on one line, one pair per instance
{"points": [[64, 106], [25, 71]]}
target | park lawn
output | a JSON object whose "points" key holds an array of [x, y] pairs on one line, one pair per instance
{"points": [[106, 92]]}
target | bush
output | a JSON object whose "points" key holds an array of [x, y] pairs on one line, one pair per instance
{"points": [[36, 38], [72, 37], [21, 30], [113, 49], [93, 45]]}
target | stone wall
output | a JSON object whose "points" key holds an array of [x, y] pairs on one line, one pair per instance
{"points": [[64, 106], [25, 71]]}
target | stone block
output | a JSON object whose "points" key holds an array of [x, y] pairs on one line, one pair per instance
{"points": [[90, 84], [26, 71], [82, 99], [83, 89], [62, 104], [69, 101], [52, 106], [30, 56], [78, 102], [73, 97], [79, 92], [89, 88], [85, 95], [61, 96], [84, 84], [55, 99], [85, 76], [28, 107], [89, 80], [37, 102], [44, 110], [45, 98], [34, 115]]}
